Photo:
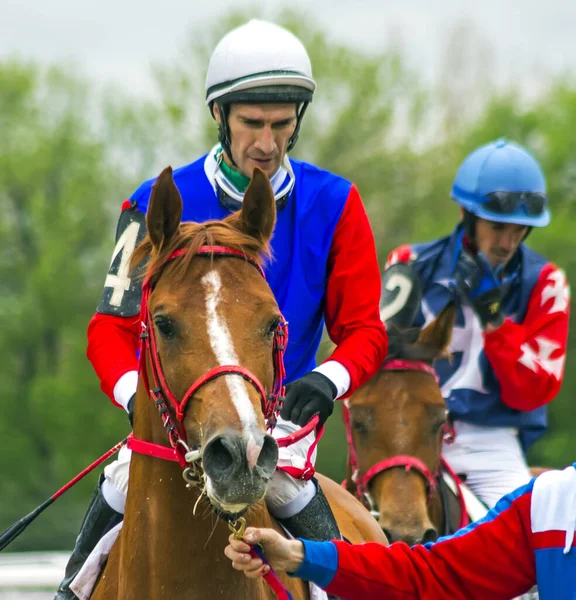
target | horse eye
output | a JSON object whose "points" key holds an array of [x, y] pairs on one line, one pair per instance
{"points": [[273, 327], [165, 327], [360, 426]]}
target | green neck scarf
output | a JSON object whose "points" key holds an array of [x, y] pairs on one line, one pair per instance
{"points": [[237, 179]]}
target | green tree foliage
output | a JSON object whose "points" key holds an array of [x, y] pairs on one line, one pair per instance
{"points": [[54, 183], [69, 156]]}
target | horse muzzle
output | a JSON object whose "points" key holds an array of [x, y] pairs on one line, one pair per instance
{"points": [[238, 469]]}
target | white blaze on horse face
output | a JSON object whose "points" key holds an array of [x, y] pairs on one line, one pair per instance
{"points": [[223, 347]]}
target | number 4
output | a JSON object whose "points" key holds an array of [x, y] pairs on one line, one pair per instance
{"points": [[120, 282]]}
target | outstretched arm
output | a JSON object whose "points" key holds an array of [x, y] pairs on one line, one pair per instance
{"points": [[490, 559]]}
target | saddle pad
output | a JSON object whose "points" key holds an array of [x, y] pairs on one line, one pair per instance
{"points": [[85, 581]]}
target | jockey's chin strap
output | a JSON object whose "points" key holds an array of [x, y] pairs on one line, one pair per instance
{"points": [[410, 463], [162, 396]]}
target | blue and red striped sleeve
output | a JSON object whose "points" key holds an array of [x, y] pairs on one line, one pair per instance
{"points": [[353, 295], [493, 558]]}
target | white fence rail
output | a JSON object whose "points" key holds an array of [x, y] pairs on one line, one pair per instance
{"points": [[31, 570]]}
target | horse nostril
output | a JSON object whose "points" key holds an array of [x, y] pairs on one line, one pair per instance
{"points": [[430, 535], [219, 456], [268, 458]]}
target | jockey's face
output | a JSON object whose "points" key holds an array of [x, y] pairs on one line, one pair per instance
{"points": [[259, 135], [498, 241]]}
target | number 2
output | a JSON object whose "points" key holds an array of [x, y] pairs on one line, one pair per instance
{"points": [[404, 284]]}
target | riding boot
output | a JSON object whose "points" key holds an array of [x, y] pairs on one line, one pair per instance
{"points": [[315, 521], [99, 520]]}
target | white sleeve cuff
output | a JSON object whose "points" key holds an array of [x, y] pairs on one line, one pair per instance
{"points": [[125, 388], [337, 373]]}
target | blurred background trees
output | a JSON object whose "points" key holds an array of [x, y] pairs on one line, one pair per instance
{"points": [[70, 153]]}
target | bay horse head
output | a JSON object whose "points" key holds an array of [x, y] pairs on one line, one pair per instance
{"points": [[396, 425], [213, 328]]}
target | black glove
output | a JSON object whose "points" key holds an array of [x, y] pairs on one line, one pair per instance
{"points": [[482, 285], [312, 394], [131, 410]]}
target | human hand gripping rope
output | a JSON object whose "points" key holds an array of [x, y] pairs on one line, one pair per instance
{"points": [[238, 527]]}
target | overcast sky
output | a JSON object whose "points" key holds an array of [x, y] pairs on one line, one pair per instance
{"points": [[116, 40]]}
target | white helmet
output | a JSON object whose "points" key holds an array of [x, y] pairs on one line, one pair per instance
{"points": [[259, 56], [258, 62]]}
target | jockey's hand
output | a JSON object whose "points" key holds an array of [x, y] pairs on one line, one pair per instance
{"points": [[130, 409], [312, 394], [281, 553], [482, 285]]}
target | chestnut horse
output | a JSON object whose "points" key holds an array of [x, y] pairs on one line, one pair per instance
{"points": [[212, 338], [397, 422]]}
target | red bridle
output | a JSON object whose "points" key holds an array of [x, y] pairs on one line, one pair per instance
{"points": [[410, 463], [161, 393]]}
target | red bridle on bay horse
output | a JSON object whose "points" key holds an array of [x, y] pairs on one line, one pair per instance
{"points": [[410, 463], [161, 394]]}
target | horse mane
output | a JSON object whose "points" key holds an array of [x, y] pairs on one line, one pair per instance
{"points": [[193, 235], [404, 343]]}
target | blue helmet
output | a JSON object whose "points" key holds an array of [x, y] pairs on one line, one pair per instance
{"points": [[502, 182]]}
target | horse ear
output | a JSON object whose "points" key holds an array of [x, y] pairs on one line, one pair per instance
{"points": [[164, 209], [438, 333], [258, 214]]}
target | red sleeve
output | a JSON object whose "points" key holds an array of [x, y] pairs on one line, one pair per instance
{"points": [[492, 560], [528, 358], [112, 345], [353, 296]]}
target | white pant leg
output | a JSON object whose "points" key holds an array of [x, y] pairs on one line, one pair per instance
{"points": [[491, 458], [115, 485], [287, 496]]}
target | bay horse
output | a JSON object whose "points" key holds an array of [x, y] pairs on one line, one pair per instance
{"points": [[212, 340], [396, 425]]}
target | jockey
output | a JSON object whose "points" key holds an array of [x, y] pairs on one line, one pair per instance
{"points": [[509, 342], [527, 539], [258, 86]]}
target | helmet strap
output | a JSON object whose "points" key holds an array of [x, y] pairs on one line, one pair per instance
{"points": [[300, 114], [224, 131], [469, 222]]}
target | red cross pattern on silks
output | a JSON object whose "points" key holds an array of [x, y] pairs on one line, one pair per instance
{"points": [[541, 357], [559, 290]]}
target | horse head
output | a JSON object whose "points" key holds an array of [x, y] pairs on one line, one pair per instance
{"points": [[396, 425], [212, 327]]}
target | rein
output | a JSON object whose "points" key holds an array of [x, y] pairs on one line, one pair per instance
{"points": [[410, 463]]}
